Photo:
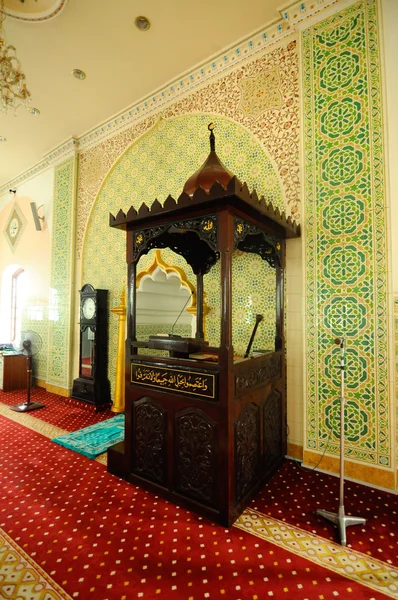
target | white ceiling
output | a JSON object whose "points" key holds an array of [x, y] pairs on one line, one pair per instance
{"points": [[122, 63]]}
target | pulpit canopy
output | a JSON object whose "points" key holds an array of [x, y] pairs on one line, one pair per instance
{"points": [[190, 225]]}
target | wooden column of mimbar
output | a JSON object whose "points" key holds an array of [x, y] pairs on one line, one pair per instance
{"points": [[204, 427], [226, 361]]}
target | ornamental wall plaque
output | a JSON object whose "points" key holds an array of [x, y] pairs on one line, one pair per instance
{"points": [[14, 227], [261, 93]]}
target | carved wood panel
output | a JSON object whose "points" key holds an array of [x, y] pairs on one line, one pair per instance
{"points": [[150, 440], [194, 239], [262, 374], [250, 238], [272, 423], [247, 450], [196, 455]]}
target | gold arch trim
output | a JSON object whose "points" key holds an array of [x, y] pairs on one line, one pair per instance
{"points": [[158, 262]]}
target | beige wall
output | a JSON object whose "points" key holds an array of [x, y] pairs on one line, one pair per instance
{"points": [[295, 346], [390, 23], [390, 39], [32, 253], [33, 249]]}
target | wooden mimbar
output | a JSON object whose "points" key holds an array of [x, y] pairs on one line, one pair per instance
{"points": [[204, 431]]}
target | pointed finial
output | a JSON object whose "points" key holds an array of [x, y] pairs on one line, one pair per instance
{"points": [[210, 127]]}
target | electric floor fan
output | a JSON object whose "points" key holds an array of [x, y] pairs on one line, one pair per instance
{"points": [[340, 519], [29, 344]]}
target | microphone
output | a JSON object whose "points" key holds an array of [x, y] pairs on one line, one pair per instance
{"points": [[181, 311], [259, 318], [339, 341]]}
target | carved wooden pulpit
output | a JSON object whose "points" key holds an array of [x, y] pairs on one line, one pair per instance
{"points": [[204, 428]]}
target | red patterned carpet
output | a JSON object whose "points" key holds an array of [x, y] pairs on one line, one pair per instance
{"points": [[97, 537], [294, 494], [66, 413]]}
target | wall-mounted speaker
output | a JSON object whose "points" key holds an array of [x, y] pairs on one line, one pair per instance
{"points": [[36, 217]]}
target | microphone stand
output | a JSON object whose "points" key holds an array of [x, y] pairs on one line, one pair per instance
{"points": [[171, 334], [340, 519], [259, 318]]}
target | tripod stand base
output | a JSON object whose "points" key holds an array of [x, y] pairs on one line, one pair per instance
{"points": [[341, 521], [27, 407]]}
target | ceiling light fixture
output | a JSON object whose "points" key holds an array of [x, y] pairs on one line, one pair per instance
{"points": [[13, 90], [33, 111], [78, 74], [2, 138], [142, 23]]}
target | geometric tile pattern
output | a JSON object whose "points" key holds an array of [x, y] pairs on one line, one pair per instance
{"points": [[157, 165], [356, 566], [249, 299], [22, 578], [276, 129], [346, 276], [59, 317]]}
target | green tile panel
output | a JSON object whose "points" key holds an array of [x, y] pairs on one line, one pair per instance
{"points": [[345, 232]]}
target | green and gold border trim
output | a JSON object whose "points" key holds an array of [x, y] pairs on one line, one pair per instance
{"points": [[346, 249]]}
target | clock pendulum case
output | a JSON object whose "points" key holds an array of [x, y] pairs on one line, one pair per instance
{"points": [[92, 385]]}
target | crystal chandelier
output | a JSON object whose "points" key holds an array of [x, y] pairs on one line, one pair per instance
{"points": [[13, 90]]}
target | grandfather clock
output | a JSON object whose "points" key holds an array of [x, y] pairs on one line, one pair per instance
{"points": [[92, 385]]}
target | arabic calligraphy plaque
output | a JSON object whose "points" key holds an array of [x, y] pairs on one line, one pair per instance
{"points": [[189, 383]]}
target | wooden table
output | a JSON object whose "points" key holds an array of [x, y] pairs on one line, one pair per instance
{"points": [[12, 371]]}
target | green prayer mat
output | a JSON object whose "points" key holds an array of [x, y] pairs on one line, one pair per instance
{"points": [[95, 439]]}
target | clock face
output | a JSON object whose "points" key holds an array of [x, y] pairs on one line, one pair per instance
{"points": [[88, 308], [13, 227]]}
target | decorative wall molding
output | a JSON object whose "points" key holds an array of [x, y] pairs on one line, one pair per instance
{"points": [[291, 18], [214, 67], [51, 159]]}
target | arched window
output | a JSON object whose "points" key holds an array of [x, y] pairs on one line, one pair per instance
{"points": [[16, 281]]}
